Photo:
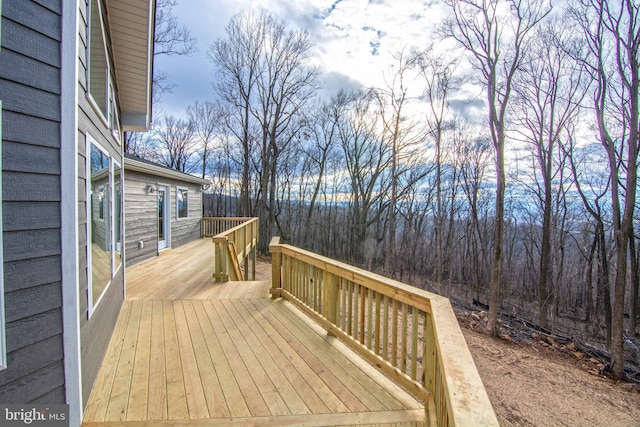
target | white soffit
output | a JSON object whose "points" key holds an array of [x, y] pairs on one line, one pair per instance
{"points": [[131, 24]]}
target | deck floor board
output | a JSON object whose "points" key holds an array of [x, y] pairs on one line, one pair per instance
{"points": [[193, 352]]}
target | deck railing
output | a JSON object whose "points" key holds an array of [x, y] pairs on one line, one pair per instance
{"points": [[213, 226], [234, 242], [409, 334]]}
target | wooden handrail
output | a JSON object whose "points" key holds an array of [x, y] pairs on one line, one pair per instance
{"points": [[409, 334], [233, 245]]}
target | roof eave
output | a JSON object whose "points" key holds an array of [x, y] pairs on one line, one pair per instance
{"points": [[132, 25], [145, 167]]}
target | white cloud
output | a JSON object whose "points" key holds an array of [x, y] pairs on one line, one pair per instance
{"points": [[355, 39]]}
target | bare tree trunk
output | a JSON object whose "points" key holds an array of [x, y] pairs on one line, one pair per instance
{"points": [[635, 283], [498, 232], [611, 30]]}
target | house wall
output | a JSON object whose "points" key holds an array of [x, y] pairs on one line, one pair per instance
{"points": [[95, 331], [141, 215], [30, 94]]}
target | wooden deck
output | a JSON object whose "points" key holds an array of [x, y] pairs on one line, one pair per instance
{"points": [[185, 273], [188, 351]]}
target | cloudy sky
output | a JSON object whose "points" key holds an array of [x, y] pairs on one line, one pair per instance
{"points": [[354, 39]]}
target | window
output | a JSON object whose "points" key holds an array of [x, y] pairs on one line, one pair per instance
{"points": [[99, 248], [182, 203], [104, 219], [98, 62]]}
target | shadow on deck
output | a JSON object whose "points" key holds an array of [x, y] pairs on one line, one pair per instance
{"points": [[187, 350]]}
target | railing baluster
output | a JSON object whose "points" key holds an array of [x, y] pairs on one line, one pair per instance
{"points": [[394, 333], [404, 339], [385, 330], [414, 344], [377, 324], [362, 309], [353, 308], [344, 312], [369, 317]]}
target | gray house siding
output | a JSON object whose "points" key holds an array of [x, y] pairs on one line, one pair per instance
{"points": [[30, 94], [141, 215], [141, 218], [185, 230], [96, 330]]}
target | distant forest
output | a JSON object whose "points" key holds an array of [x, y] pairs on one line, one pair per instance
{"points": [[526, 203]]}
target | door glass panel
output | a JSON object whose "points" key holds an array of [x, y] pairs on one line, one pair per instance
{"points": [[160, 215]]}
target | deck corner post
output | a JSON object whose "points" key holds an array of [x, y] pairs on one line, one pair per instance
{"points": [[332, 297], [254, 255], [220, 259], [276, 263]]}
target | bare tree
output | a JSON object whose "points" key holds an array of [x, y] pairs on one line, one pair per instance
{"points": [[611, 30], [437, 70], [177, 147], [139, 144], [495, 33], [286, 85], [475, 160], [207, 120], [399, 131], [237, 58], [367, 158], [322, 125], [266, 79], [549, 93]]}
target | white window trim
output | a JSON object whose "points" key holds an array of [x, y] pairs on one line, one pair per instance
{"points": [[3, 337], [92, 101], [115, 118], [178, 217], [92, 307], [112, 214]]}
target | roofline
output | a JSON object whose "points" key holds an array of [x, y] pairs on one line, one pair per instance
{"points": [[144, 166], [134, 79]]}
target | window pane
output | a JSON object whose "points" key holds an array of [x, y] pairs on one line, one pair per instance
{"points": [[98, 68], [183, 203], [99, 223]]}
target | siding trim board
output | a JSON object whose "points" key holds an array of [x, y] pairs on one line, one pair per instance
{"points": [[3, 338], [70, 257]]}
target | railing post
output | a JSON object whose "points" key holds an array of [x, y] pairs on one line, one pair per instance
{"points": [[220, 259], [253, 262], [276, 263], [429, 353], [331, 288]]}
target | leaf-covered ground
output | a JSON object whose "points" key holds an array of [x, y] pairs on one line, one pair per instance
{"points": [[544, 384]]}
